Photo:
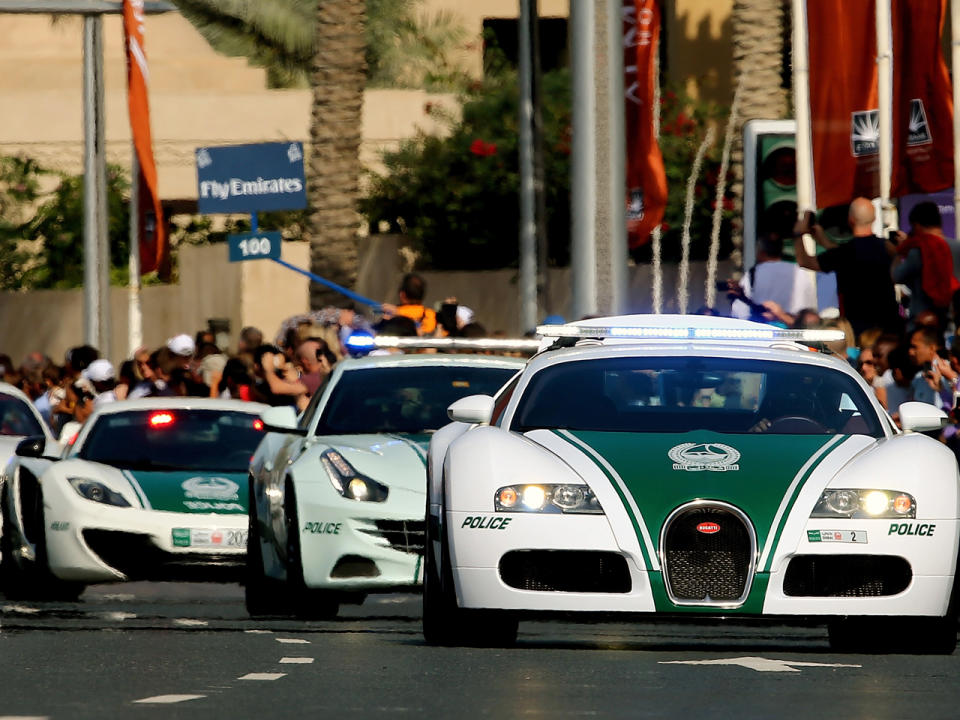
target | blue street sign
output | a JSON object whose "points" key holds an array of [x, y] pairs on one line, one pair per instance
{"points": [[250, 178], [254, 246]]}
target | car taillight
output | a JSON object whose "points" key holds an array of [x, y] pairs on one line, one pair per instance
{"points": [[160, 419]]}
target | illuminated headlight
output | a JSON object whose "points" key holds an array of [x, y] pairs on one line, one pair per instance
{"points": [[348, 482], [97, 492], [865, 503], [547, 499]]}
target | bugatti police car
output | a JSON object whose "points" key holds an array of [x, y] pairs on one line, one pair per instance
{"points": [[151, 489], [682, 466], [337, 498]]}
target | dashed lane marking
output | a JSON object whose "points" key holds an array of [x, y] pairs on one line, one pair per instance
{"points": [[24, 717], [22, 609], [261, 676], [296, 660], [118, 616], [190, 622], [293, 641], [259, 632], [167, 699]]}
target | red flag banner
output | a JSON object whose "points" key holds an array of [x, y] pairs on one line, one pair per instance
{"points": [[922, 100], [844, 115], [646, 176], [153, 236]]}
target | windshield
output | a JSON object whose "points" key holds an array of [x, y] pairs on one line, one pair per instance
{"points": [[412, 399], [177, 439], [680, 394], [16, 418]]}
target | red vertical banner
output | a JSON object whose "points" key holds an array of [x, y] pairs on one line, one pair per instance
{"points": [[646, 176], [922, 100], [153, 237], [844, 114]]}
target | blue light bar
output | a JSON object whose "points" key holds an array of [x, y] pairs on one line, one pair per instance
{"points": [[764, 334]]}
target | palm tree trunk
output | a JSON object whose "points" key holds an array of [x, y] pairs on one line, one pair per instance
{"points": [[338, 77], [758, 52]]}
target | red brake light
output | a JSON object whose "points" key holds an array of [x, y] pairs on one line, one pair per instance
{"points": [[258, 424], [160, 419]]}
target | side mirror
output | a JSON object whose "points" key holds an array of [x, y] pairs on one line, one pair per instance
{"points": [[281, 420], [31, 447], [473, 409], [921, 417]]}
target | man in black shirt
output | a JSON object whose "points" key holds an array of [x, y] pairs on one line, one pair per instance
{"points": [[862, 266]]}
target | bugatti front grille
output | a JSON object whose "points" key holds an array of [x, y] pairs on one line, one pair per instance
{"points": [[584, 571], [846, 576], [403, 535], [707, 552]]}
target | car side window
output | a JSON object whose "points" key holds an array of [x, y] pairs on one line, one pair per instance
{"points": [[311, 408], [503, 399]]}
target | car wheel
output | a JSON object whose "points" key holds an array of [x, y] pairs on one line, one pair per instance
{"points": [[923, 636], [444, 622], [260, 594], [305, 602]]}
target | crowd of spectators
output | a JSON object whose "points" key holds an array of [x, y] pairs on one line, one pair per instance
{"points": [[899, 304], [285, 370]]}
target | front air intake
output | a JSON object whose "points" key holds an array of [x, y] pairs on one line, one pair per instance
{"points": [[708, 552]]}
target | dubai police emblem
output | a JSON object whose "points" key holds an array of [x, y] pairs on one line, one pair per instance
{"points": [[697, 457]]}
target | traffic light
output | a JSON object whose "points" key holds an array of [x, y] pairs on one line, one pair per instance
{"points": [[769, 184]]}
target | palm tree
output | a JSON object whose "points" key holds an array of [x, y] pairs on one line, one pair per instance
{"points": [[759, 39], [338, 77]]}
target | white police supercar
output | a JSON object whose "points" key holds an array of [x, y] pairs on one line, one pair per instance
{"points": [[689, 466]]}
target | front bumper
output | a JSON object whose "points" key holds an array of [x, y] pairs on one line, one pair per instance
{"points": [[105, 543], [479, 550], [359, 546]]}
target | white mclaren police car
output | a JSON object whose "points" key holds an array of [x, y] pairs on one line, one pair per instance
{"points": [[690, 466], [337, 498], [151, 489]]}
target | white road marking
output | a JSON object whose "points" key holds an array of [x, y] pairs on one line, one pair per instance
{"points": [[24, 717], [122, 597], [759, 664], [118, 616], [168, 699], [22, 609], [293, 641], [190, 622], [259, 632], [296, 660], [261, 676]]}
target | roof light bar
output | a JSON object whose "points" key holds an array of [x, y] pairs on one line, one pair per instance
{"points": [[502, 344], [689, 333]]}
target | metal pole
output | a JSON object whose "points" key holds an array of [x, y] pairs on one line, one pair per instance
{"points": [[806, 191], [617, 160], [91, 285], [528, 226], [104, 340], [885, 102], [135, 308], [583, 203], [955, 65]]}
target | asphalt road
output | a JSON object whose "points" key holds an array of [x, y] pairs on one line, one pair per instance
{"points": [[189, 651]]}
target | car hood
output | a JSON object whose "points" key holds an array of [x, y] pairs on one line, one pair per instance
{"points": [[170, 491], [398, 461], [760, 474]]}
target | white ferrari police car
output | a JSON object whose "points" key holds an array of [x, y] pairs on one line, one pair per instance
{"points": [[151, 489], [690, 466], [337, 498]]}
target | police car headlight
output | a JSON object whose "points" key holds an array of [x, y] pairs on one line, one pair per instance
{"points": [[574, 499], [865, 503], [350, 483], [97, 492]]}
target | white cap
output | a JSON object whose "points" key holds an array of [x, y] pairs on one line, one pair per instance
{"points": [[464, 316], [181, 345], [99, 371]]}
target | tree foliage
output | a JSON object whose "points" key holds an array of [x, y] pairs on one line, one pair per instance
{"points": [[42, 232], [456, 196], [405, 48]]}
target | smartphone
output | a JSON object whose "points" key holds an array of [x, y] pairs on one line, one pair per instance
{"points": [[893, 235]]}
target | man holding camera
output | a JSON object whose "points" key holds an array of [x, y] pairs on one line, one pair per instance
{"points": [[862, 266]]}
